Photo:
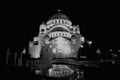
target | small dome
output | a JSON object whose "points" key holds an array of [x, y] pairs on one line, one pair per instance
{"points": [[59, 16]]}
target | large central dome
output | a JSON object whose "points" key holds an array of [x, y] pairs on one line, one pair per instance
{"points": [[59, 16], [59, 19]]}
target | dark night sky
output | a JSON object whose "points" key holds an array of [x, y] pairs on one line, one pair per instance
{"points": [[97, 23]]}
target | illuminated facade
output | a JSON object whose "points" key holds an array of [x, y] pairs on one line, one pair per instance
{"points": [[61, 37], [58, 42]]}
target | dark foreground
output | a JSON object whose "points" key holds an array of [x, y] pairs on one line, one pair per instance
{"points": [[106, 72]]}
